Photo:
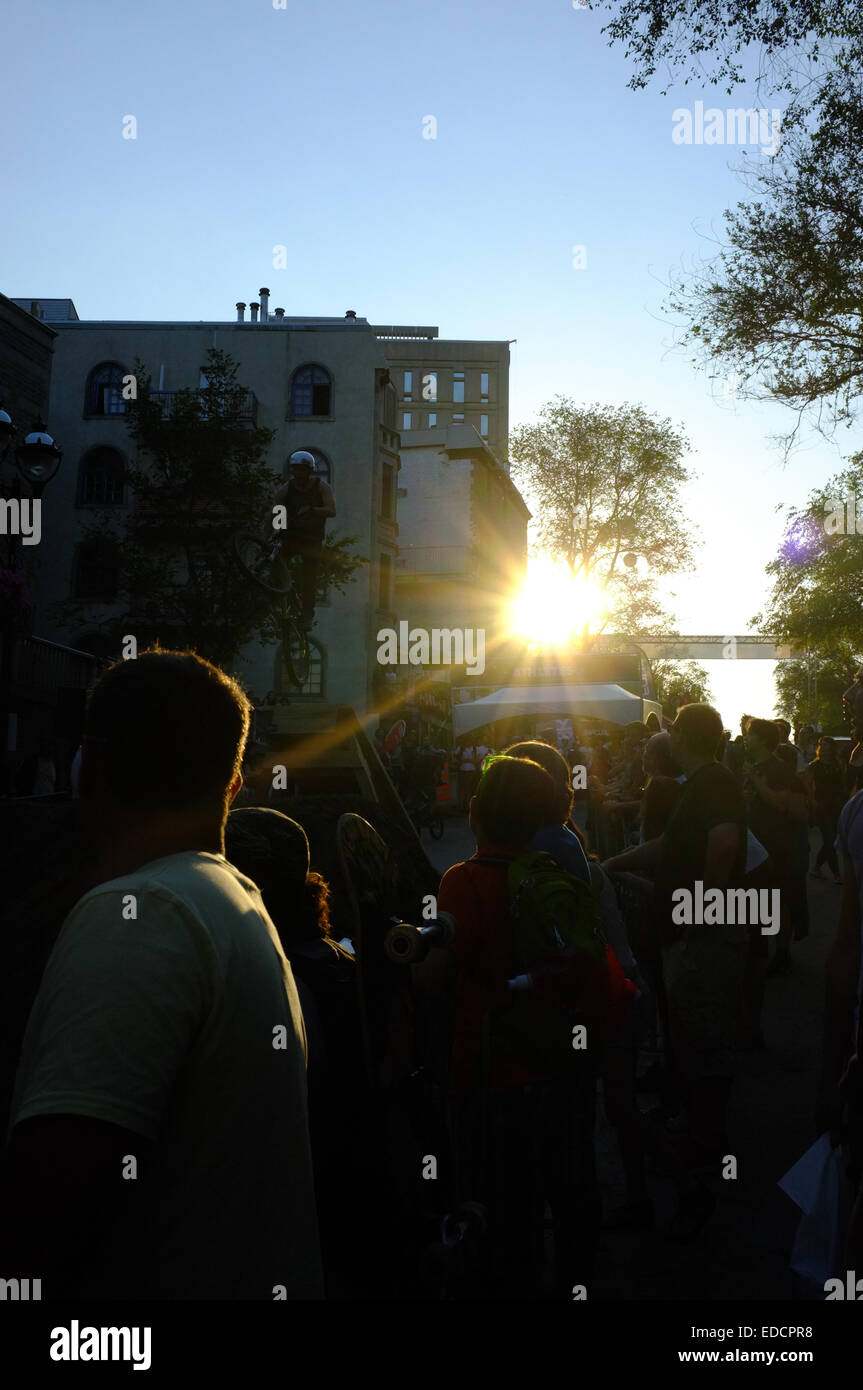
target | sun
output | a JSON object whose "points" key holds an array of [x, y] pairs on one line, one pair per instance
{"points": [[551, 607]]}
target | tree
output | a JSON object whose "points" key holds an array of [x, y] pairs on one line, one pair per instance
{"points": [[706, 37], [817, 596], [680, 683], [810, 691], [604, 484], [200, 475], [780, 308]]}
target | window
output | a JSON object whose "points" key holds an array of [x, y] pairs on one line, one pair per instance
{"points": [[100, 478], [323, 467], [458, 419], [97, 572], [314, 684], [409, 385], [406, 420], [386, 582], [432, 419], [430, 386], [388, 492], [311, 392], [104, 392], [483, 426], [458, 388], [483, 385]]}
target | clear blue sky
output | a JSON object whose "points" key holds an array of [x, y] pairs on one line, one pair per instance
{"points": [[303, 127]]}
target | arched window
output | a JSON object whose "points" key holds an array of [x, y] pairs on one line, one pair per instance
{"points": [[97, 571], [100, 478], [323, 467], [315, 682], [104, 393], [311, 392]]}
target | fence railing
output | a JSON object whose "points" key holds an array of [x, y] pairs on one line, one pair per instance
{"points": [[248, 413]]}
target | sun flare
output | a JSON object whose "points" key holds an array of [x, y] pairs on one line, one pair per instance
{"points": [[552, 607]]}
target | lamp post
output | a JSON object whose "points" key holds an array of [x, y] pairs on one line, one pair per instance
{"points": [[37, 459]]}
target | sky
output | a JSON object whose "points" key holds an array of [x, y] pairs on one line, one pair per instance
{"points": [[303, 127]]}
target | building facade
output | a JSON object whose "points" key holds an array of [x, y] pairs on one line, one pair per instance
{"points": [[320, 383], [440, 542], [443, 382]]}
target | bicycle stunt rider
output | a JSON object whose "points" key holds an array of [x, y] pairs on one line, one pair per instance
{"points": [[308, 502]]}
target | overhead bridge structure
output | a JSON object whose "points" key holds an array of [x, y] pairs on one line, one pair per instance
{"points": [[670, 647]]}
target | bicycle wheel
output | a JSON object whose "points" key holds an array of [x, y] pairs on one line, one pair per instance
{"points": [[295, 648], [435, 825], [257, 562]]}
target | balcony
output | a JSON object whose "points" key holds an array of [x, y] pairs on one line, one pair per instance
{"points": [[437, 559], [248, 411], [41, 668]]}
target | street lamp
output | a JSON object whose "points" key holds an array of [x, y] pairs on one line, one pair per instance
{"points": [[37, 460]]}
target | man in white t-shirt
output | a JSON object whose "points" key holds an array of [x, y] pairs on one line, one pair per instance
{"points": [[159, 1140]]}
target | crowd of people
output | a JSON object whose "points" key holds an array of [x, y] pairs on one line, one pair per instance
{"points": [[193, 1050]]}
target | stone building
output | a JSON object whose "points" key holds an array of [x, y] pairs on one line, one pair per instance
{"points": [[343, 389]]}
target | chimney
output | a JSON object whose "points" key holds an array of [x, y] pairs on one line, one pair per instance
{"points": [[351, 314], [280, 313], [241, 311], [265, 305], [253, 310]]}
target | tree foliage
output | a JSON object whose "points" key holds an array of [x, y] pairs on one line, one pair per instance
{"points": [[811, 691], [779, 309], [816, 601], [680, 683], [603, 483], [707, 39], [200, 474]]}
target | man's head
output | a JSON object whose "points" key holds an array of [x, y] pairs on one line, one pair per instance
{"points": [[302, 467], [164, 735], [557, 768], [273, 851], [695, 736], [761, 739], [784, 729], [658, 758], [515, 798]]}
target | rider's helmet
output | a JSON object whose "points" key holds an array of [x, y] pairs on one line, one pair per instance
{"points": [[301, 458]]}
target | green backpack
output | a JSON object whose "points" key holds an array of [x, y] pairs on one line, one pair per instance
{"points": [[557, 938]]}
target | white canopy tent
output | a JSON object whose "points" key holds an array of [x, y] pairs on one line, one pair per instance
{"points": [[609, 702]]}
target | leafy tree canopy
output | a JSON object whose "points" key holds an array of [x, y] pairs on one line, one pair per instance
{"points": [[604, 484], [200, 474], [816, 602]]}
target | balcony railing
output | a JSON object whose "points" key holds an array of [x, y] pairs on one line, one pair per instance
{"points": [[40, 668], [437, 559], [248, 414]]}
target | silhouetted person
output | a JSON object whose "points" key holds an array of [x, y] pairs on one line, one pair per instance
{"points": [[159, 1143]]}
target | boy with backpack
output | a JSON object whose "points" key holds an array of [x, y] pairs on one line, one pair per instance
{"points": [[530, 967]]}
